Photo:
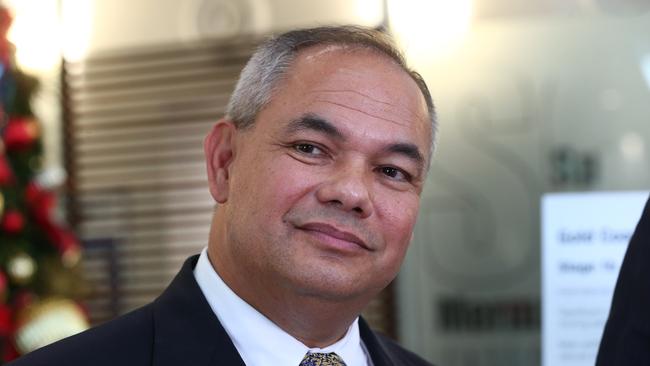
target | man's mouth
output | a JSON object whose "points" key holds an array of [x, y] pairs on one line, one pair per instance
{"points": [[328, 230]]}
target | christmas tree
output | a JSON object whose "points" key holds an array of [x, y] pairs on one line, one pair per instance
{"points": [[40, 279]]}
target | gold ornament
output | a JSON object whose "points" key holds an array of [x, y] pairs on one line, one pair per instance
{"points": [[48, 321], [61, 280], [2, 204], [21, 268]]}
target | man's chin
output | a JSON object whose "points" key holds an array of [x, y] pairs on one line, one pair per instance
{"points": [[335, 287]]}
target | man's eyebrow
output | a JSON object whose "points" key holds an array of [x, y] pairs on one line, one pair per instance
{"points": [[314, 123], [409, 150]]}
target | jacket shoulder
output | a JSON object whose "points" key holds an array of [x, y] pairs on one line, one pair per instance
{"points": [[400, 355], [126, 340]]}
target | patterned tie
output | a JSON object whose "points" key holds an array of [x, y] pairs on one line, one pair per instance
{"points": [[322, 359]]}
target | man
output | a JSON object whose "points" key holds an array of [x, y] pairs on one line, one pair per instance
{"points": [[317, 168], [626, 340]]}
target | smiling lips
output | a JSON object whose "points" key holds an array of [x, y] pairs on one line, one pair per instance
{"points": [[325, 230]]}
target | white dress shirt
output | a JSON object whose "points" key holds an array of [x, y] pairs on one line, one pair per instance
{"points": [[259, 341]]}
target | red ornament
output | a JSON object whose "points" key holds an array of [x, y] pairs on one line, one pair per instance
{"points": [[5, 21], [6, 48], [67, 244], [68, 240], [13, 222], [6, 173], [32, 193], [40, 203], [23, 299], [9, 351], [6, 324], [3, 285], [43, 209], [20, 133]]}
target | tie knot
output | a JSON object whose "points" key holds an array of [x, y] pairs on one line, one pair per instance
{"points": [[322, 359]]}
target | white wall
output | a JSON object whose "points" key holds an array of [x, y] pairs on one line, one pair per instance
{"points": [[120, 24]]}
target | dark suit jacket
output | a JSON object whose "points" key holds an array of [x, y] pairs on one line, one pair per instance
{"points": [[178, 328], [626, 340]]}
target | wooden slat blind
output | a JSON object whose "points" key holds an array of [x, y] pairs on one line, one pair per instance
{"points": [[134, 128]]}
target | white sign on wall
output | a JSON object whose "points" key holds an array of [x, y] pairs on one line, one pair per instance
{"points": [[584, 239]]}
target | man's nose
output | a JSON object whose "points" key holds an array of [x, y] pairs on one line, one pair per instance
{"points": [[349, 189]]}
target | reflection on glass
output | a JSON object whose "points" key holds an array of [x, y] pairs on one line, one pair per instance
{"points": [[546, 97]]}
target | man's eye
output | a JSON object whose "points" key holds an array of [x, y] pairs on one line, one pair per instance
{"points": [[308, 149], [395, 173]]}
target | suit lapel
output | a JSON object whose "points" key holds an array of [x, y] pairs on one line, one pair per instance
{"points": [[187, 332], [378, 353], [627, 331]]}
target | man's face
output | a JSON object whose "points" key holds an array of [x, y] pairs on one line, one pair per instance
{"points": [[323, 191]]}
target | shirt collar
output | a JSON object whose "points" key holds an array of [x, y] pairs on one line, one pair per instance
{"points": [[259, 341]]}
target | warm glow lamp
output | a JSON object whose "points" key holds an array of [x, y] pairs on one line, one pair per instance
{"points": [[431, 27]]}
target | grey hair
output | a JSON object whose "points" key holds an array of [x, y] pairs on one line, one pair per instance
{"points": [[272, 59]]}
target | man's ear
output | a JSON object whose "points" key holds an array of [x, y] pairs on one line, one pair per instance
{"points": [[219, 148]]}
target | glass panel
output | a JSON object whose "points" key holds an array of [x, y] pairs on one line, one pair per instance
{"points": [[531, 99]]}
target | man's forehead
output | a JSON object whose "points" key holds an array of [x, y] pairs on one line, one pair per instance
{"points": [[350, 87], [376, 105], [320, 51], [357, 74]]}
